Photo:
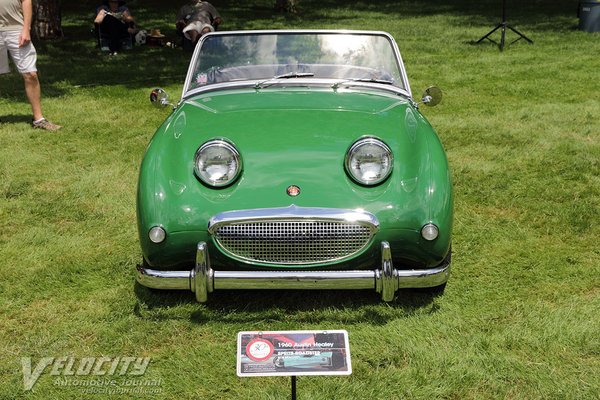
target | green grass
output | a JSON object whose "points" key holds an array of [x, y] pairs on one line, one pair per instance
{"points": [[520, 316]]}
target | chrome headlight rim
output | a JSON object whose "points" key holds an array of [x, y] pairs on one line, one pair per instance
{"points": [[361, 142], [229, 146]]}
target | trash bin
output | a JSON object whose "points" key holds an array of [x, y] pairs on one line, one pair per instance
{"points": [[589, 16]]}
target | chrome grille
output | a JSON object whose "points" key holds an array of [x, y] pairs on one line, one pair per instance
{"points": [[293, 241]]}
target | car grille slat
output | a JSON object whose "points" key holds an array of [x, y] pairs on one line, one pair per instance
{"points": [[293, 241]]}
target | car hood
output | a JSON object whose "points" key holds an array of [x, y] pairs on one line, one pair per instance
{"points": [[294, 136]]}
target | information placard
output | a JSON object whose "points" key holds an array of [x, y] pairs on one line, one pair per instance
{"points": [[293, 353]]}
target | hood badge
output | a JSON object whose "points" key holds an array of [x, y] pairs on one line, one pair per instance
{"points": [[293, 191]]}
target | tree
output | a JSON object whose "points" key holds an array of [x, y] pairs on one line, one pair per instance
{"points": [[47, 19], [287, 5]]}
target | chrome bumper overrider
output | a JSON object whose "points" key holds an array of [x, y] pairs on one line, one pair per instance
{"points": [[203, 279]]}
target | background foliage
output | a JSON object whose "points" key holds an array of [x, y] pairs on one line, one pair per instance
{"points": [[519, 318]]}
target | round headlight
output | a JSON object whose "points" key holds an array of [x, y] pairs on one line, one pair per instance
{"points": [[217, 163], [369, 161]]}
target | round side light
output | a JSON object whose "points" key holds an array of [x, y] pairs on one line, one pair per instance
{"points": [[157, 234], [430, 232]]}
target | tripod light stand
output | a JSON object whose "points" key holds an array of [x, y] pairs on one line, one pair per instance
{"points": [[504, 25]]}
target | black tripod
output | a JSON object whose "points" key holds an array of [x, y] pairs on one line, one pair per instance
{"points": [[503, 25]]}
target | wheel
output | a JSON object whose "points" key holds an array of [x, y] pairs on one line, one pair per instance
{"points": [[338, 360]]}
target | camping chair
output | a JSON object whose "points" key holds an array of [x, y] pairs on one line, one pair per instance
{"points": [[102, 40]]}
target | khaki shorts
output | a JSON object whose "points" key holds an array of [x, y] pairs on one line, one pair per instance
{"points": [[24, 57], [196, 26]]}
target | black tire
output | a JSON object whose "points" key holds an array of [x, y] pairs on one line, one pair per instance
{"points": [[338, 360]]}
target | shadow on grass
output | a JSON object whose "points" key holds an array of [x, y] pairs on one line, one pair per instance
{"points": [[75, 62], [15, 118], [315, 306], [544, 16]]}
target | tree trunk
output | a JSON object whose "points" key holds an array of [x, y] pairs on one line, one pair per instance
{"points": [[289, 6], [47, 19]]}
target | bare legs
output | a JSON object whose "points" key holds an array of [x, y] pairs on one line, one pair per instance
{"points": [[34, 94]]}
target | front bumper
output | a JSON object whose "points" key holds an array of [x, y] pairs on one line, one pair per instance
{"points": [[203, 280]]}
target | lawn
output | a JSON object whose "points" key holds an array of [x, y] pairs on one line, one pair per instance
{"points": [[520, 315]]}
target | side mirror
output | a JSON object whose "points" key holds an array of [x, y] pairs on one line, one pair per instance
{"points": [[159, 98], [432, 96]]}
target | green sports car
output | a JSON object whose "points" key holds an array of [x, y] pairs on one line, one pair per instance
{"points": [[295, 160]]}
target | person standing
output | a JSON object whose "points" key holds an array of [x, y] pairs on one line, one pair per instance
{"points": [[15, 38]]}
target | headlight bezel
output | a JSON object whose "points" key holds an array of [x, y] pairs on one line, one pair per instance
{"points": [[229, 146], [368, 140]]}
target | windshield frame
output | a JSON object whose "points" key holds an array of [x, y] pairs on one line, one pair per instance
{"points": [[188, 91]]}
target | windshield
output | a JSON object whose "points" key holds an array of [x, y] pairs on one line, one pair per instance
{"points": [[257, 57]]}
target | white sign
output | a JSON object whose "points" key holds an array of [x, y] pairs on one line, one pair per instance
{"points": [[293, 353]]}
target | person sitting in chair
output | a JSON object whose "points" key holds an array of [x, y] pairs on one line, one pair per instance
{"points": [[115, 22], [197, 18]]}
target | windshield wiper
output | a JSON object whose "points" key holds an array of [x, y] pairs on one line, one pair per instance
{"points": [[294, 75], [349, 82], [287, 75]]}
